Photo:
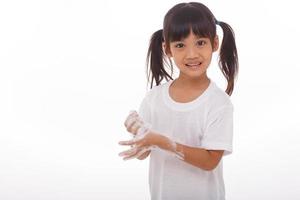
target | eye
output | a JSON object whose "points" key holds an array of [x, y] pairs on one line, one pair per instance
{"points": [[179, 45], [201, 43]]}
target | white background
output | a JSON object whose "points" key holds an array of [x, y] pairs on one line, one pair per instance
{"points": [[70, 71]]}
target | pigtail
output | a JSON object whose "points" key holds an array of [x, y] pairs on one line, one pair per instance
{"points": [[228, 59], [155, 59]]}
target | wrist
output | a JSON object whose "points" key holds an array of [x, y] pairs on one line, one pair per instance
{"points": [[167, 144], [163, 142]]}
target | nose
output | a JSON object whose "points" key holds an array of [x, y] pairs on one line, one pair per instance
{"points": [[191, 53]]}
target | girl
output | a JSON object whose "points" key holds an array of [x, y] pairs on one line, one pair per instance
{"points": [[186, 124]]}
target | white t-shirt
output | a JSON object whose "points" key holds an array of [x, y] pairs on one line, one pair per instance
{"points": [[206, 122]]}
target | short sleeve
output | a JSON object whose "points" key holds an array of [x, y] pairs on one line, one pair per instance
{"points": [[218, 133], [144, 110]]}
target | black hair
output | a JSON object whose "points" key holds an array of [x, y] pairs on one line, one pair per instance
{"points": [[178, 23]]}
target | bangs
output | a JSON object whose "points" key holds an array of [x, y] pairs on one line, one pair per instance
{"points": [[189, 19]]}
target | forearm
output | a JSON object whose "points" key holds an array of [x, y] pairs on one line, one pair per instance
{"points": [[199, 157], [202, 158]]}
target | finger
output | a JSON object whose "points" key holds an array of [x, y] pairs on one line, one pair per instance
{"points": [[137, 154], [134, 117], [131, 121], [133, 129], [130, 116], [129, 152], [132, 111], [128, 142]]}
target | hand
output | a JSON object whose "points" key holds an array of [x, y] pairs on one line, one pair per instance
{"points": [[135, 124], [140, 145], [148, 142]]}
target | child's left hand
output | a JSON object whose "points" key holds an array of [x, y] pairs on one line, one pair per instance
{"points": [[139, 145]]}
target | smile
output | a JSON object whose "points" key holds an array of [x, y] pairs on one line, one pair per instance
{"points": [[194, 65]]}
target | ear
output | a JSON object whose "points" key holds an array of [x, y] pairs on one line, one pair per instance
{"points": [[216, 44], [165, 50]]}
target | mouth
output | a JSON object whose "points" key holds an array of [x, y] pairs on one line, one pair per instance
{"points": [[193, 65]]}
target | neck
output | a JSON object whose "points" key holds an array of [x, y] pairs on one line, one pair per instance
{"points": [[192, 83]]}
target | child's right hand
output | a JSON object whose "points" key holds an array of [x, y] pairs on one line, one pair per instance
{"points": [[135, 125]]}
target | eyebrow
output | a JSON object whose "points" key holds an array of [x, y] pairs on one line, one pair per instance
{"points": [[198, 38]]}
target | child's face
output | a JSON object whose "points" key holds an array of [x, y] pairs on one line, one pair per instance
{"points": [[192, 55]]}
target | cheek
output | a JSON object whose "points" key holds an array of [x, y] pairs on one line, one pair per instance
{"points": [[177, 58], [207, 61], [174, 61], [178, 62], [208, 54], [208, 57]]}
